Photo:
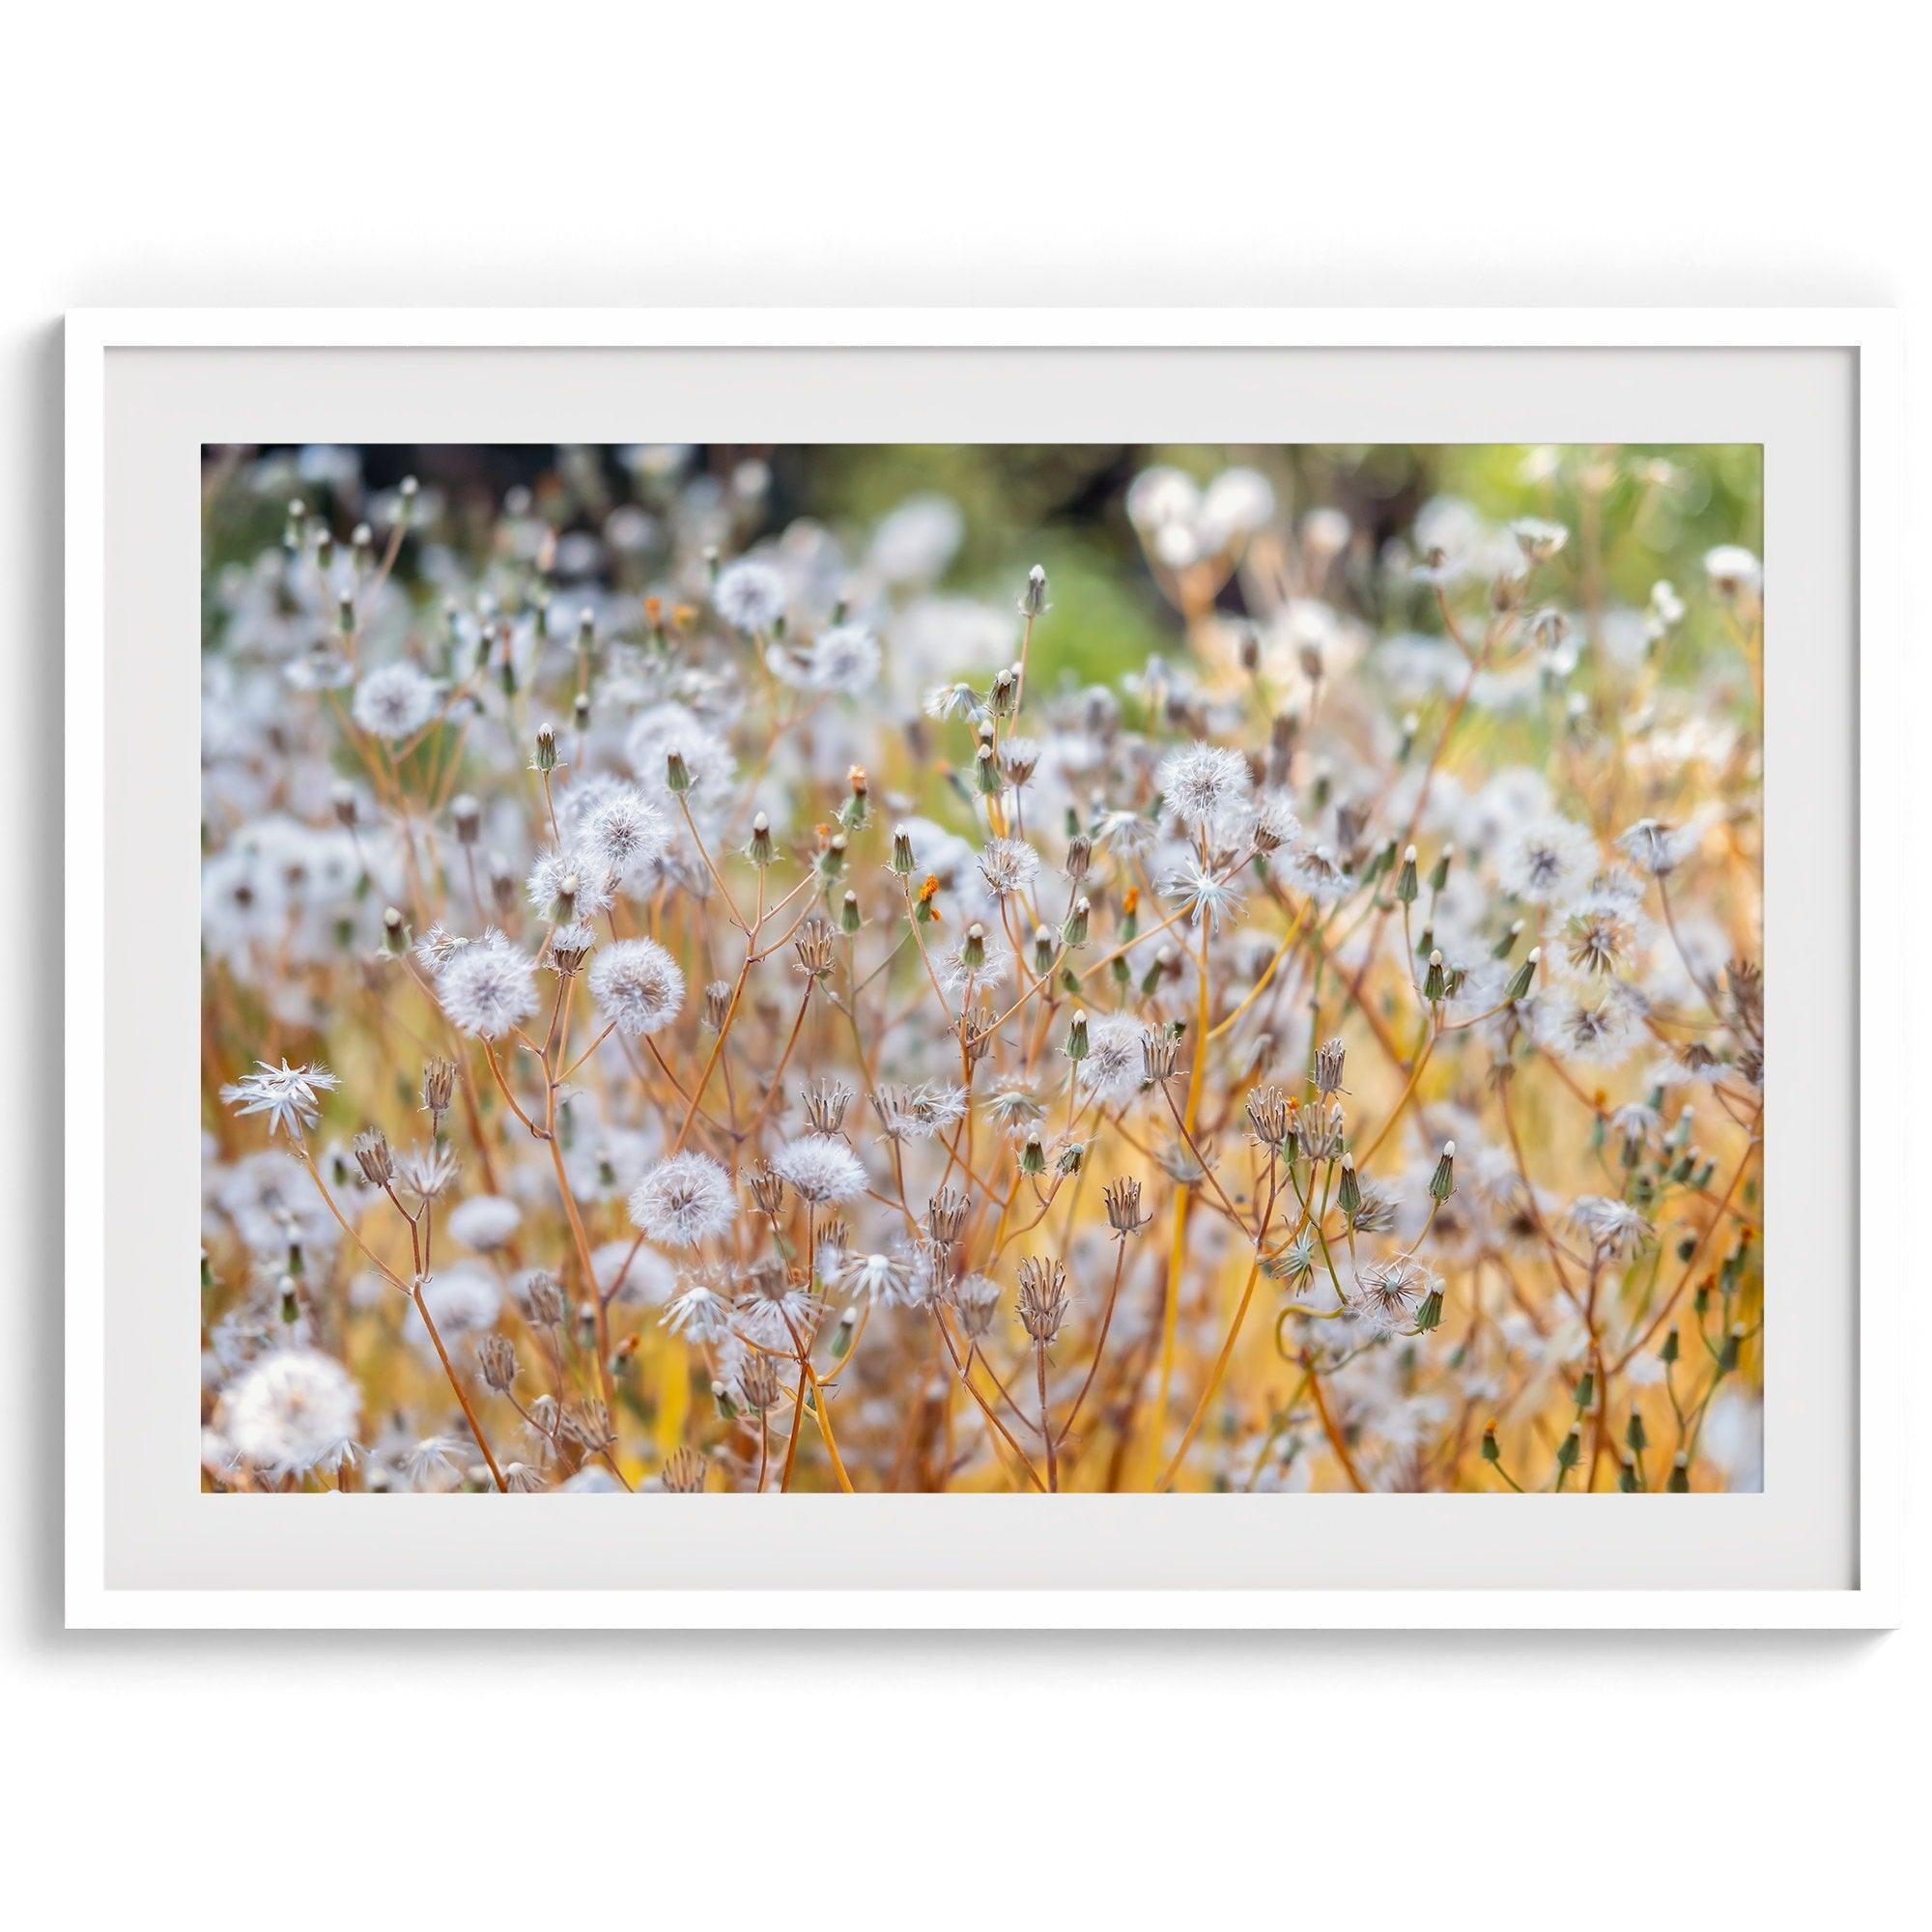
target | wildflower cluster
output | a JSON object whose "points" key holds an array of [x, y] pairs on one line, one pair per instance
{"points": [[693, 1001]]}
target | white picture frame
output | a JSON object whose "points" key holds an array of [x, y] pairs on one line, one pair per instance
{"points": [[1872, 1597]]}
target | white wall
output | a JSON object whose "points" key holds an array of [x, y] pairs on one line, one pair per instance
{"points": [[963, 154]]}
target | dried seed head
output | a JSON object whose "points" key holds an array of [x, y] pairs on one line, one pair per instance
{"points": [[977, 1301], [1043, 1299], [438, 1087], [717, 1004], [1158, 1057], [1267, 1116], [497, 1360], [1327, 1074], [813, 947], [467, 817], [1124, 1207], [569, 948], [946, 1215], [683, 1473], [543, 1298], [588, 1425], [825, 1104], [371, 1149], [767, 1191], [760, 1385]]}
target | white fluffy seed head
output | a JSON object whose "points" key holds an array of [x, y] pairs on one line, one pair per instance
{"points": [[818, 1168], [488, 986], [683, 1201], [638, 986]]}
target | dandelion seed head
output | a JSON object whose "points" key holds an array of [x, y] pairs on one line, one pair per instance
{"points": [[638, 986], [394, 702], [749, 595], [683, 1201], [293, 1410], [818, 1168], [488, 987]]}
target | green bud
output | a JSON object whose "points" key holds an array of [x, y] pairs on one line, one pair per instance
{"points": [[1525, 977], [1350, 1193], [1435, 981]]}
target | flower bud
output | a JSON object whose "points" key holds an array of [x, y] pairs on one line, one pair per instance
{"points": [[1350, 1193], [1523, 977], [1442, 1182]]}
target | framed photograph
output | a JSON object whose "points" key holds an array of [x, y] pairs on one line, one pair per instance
{"points": [[979, 969]]}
